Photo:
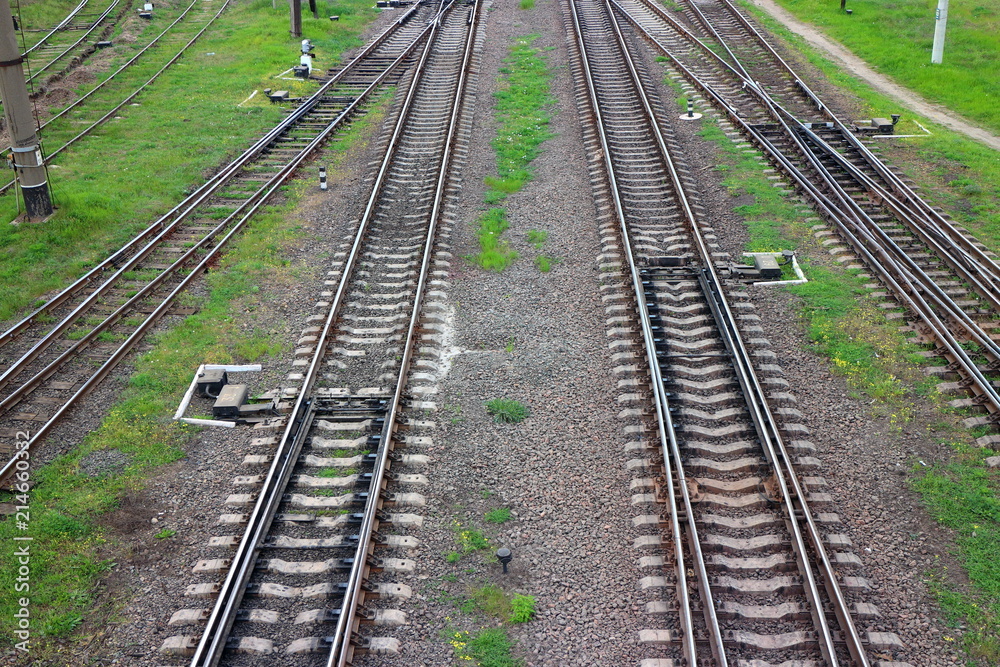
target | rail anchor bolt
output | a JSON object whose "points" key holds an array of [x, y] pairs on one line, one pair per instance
{"points": [[504, 555]]}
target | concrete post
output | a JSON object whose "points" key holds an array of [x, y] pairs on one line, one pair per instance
{"points": [[20, 121], [940, 23], [296, 28]]}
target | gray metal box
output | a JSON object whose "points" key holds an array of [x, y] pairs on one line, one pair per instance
{"points": [[768, 266], [211, 381], [229, 401]]}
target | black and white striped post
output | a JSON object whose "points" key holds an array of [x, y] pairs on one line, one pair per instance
{"points": [[690, 115], [322, 178]]}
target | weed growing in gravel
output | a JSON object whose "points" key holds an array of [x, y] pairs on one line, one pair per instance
{"points": [[523, 117], [522, 608], [472, 540], [544, 263], [498, 515], [490, 600], [537, 238], [492, 648], [507, 410], [527, 4], [165, 533], [495, 253], [453, 557], [336, 472]]}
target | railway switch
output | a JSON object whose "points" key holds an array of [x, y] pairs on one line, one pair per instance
{"points": [[883, 125], [767, 266], [229, 401], [211, 382]]}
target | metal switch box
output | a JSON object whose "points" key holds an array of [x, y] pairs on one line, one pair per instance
{"points": [[229, 401], [768, 266], [211, 382]]}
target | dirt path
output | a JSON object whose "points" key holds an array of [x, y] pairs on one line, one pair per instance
{"points": [[880, 82]]}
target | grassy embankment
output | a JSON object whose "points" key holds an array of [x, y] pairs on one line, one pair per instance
{"points": [[844, 325], [896, 38], [522, 118], [113, 184], [71, 549]]}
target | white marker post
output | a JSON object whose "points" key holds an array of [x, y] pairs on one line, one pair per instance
{"points": [[940, 23]]}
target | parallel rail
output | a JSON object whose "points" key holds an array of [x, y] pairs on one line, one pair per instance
{"points": [[194, 10], [798, 154], [138, 284], [401, 214], [820, 583]]}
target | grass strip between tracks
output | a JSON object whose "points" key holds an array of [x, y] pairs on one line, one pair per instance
{"points": [[846, 326], [522, 112], [73, 546], [133, 169]]}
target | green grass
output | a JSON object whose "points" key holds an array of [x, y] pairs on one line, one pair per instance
{"points": [[507, 410], [963, 495], [498, 515], [522, 113], [522, 608], [495, 253], [492, 648], [527, 4], [896, 38], [490, 600], [152, 155], [72, 549], [166, 533]]}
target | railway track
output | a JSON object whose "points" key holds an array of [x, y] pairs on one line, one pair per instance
{"points": [[70, 40], [742, 569], [313, 578], [942, 276], [61, 351], [105, 100]]}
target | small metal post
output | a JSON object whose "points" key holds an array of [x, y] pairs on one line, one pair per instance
{"points": [[690, 109], [322, 178], [504, 555], [843, 5]]}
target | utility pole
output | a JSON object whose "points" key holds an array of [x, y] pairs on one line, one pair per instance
{"points": [[940, 23], [28, 162], [296, 17]]}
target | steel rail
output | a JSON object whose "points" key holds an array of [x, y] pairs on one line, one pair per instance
{"points": [[931, 234], [168, 221], [341, 651], [914, 202], [110, 114], [847, 215], [667, 435], [62, 24], [246, 210], [963, 264], [86, 34], [212, 643], [765, 424]]}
